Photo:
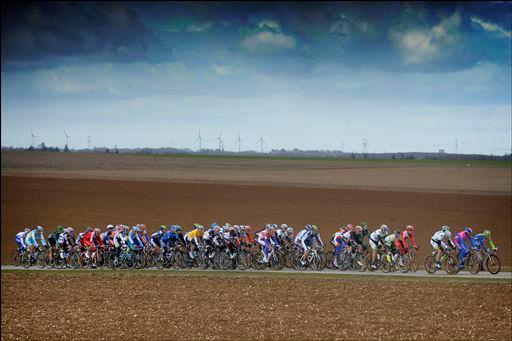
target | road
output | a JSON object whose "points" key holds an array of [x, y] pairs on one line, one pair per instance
{"points": [[326, 272]]}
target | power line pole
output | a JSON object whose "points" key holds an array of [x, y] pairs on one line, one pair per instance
{"points": [[89, 142]]}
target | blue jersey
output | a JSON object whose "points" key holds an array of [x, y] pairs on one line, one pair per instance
{"points": [[134, 240], [156, 238], [169, 239]]}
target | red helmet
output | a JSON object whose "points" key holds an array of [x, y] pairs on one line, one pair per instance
{"points": [[247, 228]]}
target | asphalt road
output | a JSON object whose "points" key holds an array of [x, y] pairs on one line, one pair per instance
{"points": [[419, 273]]}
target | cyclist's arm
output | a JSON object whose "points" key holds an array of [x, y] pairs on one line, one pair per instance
{"points": [[319, 240], [491, 244]]}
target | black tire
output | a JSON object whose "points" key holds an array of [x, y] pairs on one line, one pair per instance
{"points": [[414, 262], [297, 264], [16, 258], [493, 264], [430, 264], [472, 264], [26, 262], [329, 258], [42, 259], [369, 263], [451, 265]]}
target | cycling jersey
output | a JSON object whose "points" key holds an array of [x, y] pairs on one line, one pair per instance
{"points": [[406, 234], [20, 239], [389, 241], [92, 240], [156, 238], [195, 234], [479, 241], [438, 239], [134, 240], [305, 239], [53, 238], [170, 239], [33, 236]]}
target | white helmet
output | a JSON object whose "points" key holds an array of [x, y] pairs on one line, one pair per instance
{"points": [[110, 226], [289, 230], [445, 228], [284, 226], [40, 228], [27, 230]]}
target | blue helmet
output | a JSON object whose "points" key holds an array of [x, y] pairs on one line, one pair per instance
{"points": [[468, 230], [214, 225]]}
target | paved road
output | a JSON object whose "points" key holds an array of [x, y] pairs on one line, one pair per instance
{"points": [[419, 273]]}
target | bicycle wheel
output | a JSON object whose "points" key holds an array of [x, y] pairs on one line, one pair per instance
{"points": [[297, 262], [403, 263], [343, 261], [472, 264], [16, 258], [451, 265], [430, 264], [370, 264], [493, 264], [387, 264], [329, 260], [25, 260], [42, 260], [358, 263], [414, 262]]}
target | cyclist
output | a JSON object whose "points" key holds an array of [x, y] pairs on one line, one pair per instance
{"points": [[440, 241], [81, 236], [408, 233], [66, 242], [229, 237], [208, 238], [376, 239], [339, 244], [144, 237], [133, 240], [460, 240], [391, 240], [194, 238], [306, 238], [106, 237], [20, 240], [119, 240], [265, 240], [156, 238], [361, 232], [92, 241], [52, 241], [33, 236], [170, 238], [479, 241]]}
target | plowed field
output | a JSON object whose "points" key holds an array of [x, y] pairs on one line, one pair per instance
{"points": [[145, 306]]}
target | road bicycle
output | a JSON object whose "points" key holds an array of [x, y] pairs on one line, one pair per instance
{"points": [[373, 265], [38, 257], [394, 261], [316, 259], [449, 261]]}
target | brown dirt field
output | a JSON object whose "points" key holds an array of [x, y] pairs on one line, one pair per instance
{"points": [[52, 201], [102, 306], [381, 175]]}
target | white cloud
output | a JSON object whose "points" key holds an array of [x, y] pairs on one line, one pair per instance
{"points": [[199, 27], [222, 70], [421, 46], [265, 41], [269, 23], [491, 27]]}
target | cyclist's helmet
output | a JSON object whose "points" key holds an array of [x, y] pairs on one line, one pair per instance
{"points": [[284, 226], [363, 224], [445, 228], [268, 227], [27, 230], [60, 229], [289, 230], [487, 233], [97, 231], [396, 233], [247, 228], [110, 226], [468, 230], [308, 227], [227, 225], [87, 229], [136, 229], [350, 227], [163, 227], [274, 226], [198, 226], [409, 228], [178, 228], [358, 228], [314, 229], [40, 228]]}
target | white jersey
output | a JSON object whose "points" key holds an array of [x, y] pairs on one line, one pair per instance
{"points": [[439, 236], [390, 240], [378, 235]]}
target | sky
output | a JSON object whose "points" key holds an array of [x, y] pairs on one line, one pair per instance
{"points": [[404, 76]]}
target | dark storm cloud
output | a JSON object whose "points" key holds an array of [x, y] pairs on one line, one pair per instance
{"points": [[107, 31]]}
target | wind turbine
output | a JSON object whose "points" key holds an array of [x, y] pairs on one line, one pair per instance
{"points": [[67, 139], [239, 140], [200, 140], [220, 140], [33, 138], [261, 143]]}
